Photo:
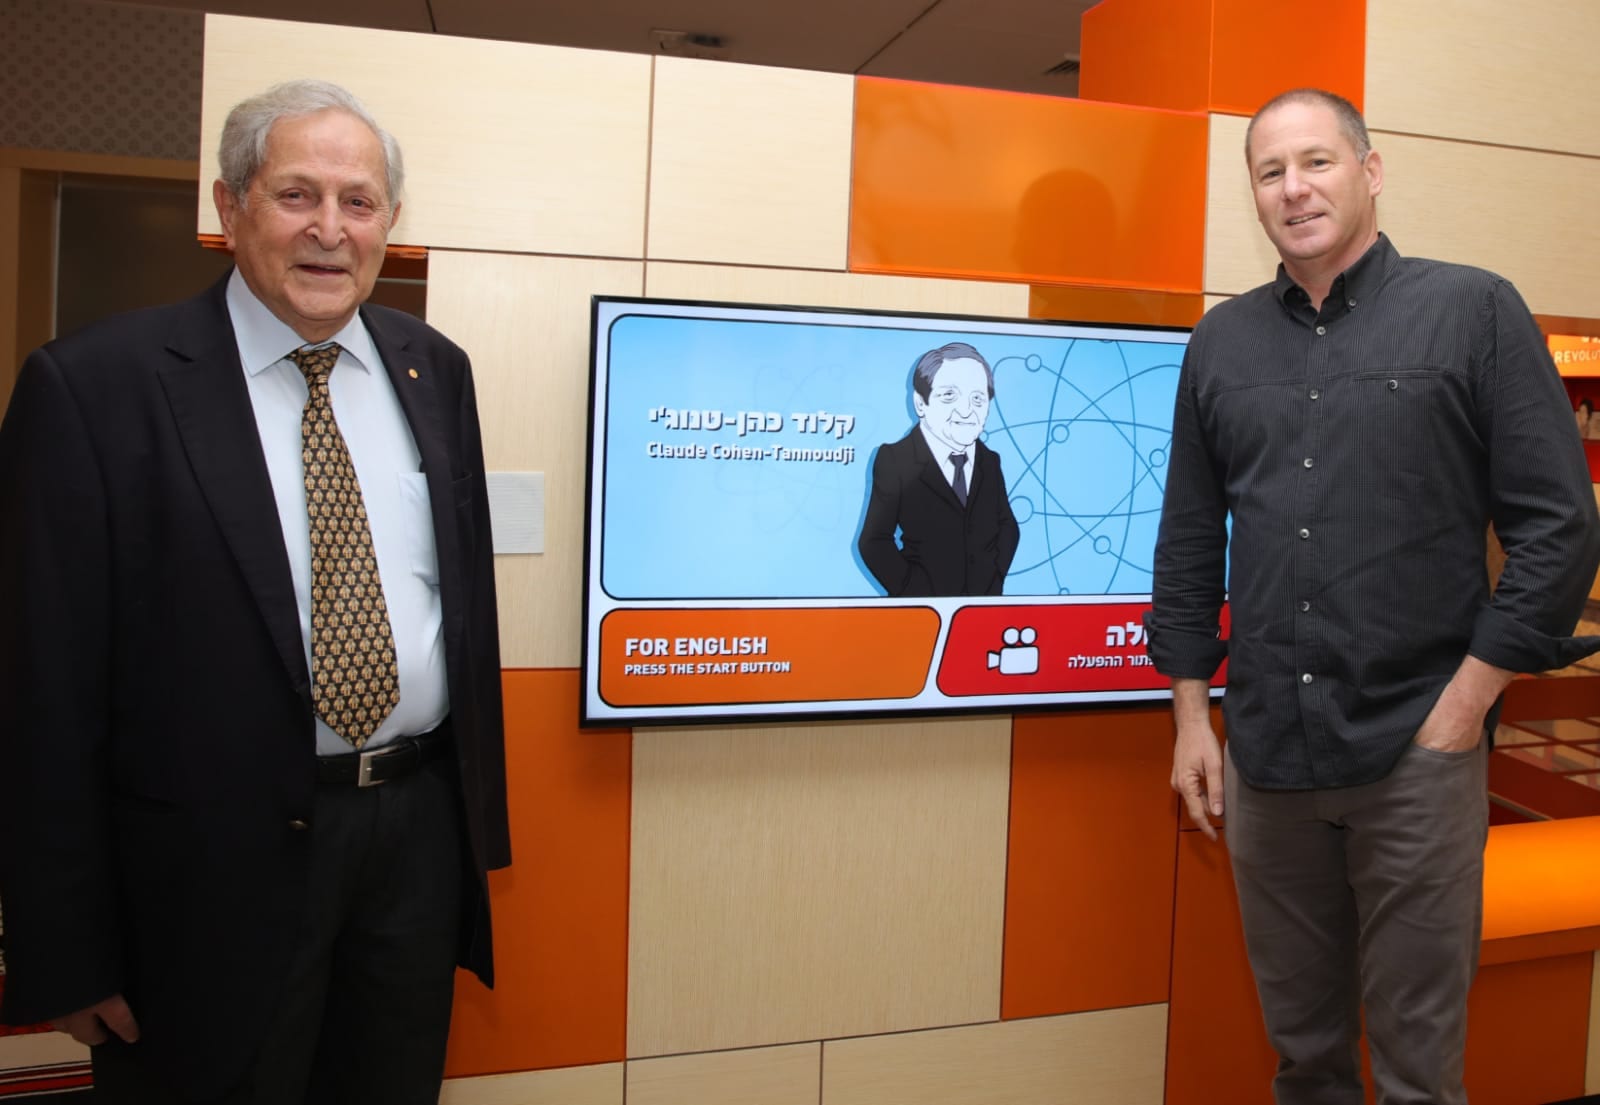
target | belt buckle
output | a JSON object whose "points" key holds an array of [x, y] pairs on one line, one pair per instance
{"points": [[364, 769]]}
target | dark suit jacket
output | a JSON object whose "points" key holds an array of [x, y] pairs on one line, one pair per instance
{"points": [[158, 741], [943, 549]]}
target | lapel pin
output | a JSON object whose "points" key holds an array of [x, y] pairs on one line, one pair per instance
{"points": [[411, 372]]}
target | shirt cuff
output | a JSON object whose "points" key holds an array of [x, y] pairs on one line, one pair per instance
{"points": [[1187, 654], [1503, 641]]}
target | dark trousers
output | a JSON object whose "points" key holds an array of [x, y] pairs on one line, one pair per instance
{"points": [[1365, 898], [366, 1002]]}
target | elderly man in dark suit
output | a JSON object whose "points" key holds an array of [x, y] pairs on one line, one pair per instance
{"points": [[941, 488], [252, 769]]}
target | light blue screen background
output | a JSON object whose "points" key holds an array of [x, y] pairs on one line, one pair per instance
{"points": [[1081, 425]]}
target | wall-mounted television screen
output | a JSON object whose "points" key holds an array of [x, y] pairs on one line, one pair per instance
{"points": [[805, 512]]}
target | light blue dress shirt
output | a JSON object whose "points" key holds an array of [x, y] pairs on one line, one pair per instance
{"points": [[392, 487]]}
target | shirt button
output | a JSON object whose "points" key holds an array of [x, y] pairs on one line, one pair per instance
{"points": [[1349, 303], [1394, 385], [1306, 678], [1321, 330], [1305, 533], [1315, 394], [1307, 462], [1304, 606], [298, 825]]}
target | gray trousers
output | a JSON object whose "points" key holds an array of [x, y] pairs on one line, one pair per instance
{"points": [[1365, 899]]}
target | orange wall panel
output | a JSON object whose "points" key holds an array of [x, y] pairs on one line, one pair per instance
{"points": [[1259, 48], [1528, 1031], [1149, 52], [1090, 862], [1060, 301], [561, 909], [973, 183], [1217, 1048]]}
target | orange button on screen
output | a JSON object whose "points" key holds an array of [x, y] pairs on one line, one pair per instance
{"points": [[683, 657]]}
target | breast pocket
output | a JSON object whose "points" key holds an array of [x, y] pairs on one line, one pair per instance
{"points": [[417, 507], [1396, 413]]}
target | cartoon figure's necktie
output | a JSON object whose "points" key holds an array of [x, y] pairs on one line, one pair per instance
{"points": [[355, 682], [960, 482]]}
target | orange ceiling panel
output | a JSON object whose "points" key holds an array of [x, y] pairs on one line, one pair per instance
{"points": [[978, 184], [1228, 56], [1260, 48], [1151, 52]]}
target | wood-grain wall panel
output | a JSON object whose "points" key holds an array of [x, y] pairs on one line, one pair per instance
{"points": [[508, 145], [599, 1085], [800, 882], [749, 165], [1510, 74], [1591, 1077], [806, 288], [525, 322], [1520, 213], [787, 1075], [1112, 1057], [1525, 215], [1238, 255]]}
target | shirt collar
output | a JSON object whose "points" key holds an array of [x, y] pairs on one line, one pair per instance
{"points": [[1360, 281], [264, 339], [941, 452]]}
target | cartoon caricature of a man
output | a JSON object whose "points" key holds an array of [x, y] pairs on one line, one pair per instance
{"points": [[941, 488]]}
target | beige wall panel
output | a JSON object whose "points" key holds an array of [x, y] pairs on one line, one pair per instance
{"points": [[1113, 1057], [598, 1085], [835, 289], [1211, 301], [525, 323], [1591, 1078], [1523, 214], [750, 165], [801, 882], [509, 146], [1528, 216], [1238, 254], [790, 1075], [1519, 74]]}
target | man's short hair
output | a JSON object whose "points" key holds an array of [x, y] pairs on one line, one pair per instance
{"points": [[929, 363], [243, 148], [1350, 120]]}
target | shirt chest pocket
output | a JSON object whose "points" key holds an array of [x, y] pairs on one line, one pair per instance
{"points": [[1394, 414], [416, 510]]}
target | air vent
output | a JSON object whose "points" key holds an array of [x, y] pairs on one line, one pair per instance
{"points": [[689, 44]]}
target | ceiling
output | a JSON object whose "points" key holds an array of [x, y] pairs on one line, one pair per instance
{"points": [[1009, 44]]}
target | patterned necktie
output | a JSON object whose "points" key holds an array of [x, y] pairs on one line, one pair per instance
{"points": [[960, 482], [354, 680]]}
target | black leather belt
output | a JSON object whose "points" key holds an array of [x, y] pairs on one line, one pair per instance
{"points": [[386, 763]]}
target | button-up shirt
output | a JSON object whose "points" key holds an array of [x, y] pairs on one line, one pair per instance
{"points": [[1361, 452], [394, 492]]}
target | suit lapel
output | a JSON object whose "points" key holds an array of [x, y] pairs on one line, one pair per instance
{"points": [[416, 381], [210, 402]]}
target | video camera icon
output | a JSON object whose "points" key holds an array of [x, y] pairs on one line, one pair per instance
{"points": [[1019, 655]]}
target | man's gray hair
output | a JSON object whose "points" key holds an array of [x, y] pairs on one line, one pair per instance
{"points": [[244, 136], [1349, 116]]}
